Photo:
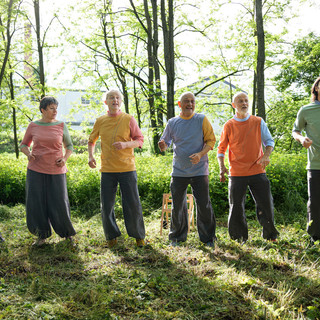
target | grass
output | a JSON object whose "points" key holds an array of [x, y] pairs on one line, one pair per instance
{"points": [[258, 280]]}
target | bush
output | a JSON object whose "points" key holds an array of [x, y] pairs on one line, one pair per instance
{"points": [[286, 172]]}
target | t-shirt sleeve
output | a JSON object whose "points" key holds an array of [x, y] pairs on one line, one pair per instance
{"points": [[300, 123], [66, 138], [94, 135], [166, 135], [224, 142], [266, 135], [208, 134], [27, 139], [135, 132]]}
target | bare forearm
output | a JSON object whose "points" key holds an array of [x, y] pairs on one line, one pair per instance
{"points": [[67, 154], [268, 151], [26, 151], [297, 136], [205, 150], [90, 150]]}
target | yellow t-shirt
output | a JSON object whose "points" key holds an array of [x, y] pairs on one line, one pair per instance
{"points": [[113, 129]]}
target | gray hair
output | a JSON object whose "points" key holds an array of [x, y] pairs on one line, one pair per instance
{"points": [[237, 95], [105, 95], [187, 92]]}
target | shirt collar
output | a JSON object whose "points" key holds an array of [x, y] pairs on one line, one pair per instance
{"points": [[242, 120], [114, 115]]}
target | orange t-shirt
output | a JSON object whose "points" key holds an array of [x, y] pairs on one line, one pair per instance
{"points": [[245, 147]]}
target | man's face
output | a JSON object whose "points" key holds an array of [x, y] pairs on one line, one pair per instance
{"points": [[113, 101], [241, 104], [187, 104]]}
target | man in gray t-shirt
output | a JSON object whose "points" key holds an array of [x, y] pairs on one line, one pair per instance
{"points": [[308, 120]]}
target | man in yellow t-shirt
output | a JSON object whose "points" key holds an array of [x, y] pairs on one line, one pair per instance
{"points": [[119, 134]]}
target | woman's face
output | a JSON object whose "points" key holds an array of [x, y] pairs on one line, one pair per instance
{"points": [[50, 113]]}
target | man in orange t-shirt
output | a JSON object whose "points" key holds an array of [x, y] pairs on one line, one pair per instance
{"points": [[244, 135]]}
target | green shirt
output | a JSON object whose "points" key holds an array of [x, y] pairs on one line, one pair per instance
{"points": [[308, 119]]}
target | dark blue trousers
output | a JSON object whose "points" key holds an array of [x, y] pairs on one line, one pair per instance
{"points": [[131, 206]]}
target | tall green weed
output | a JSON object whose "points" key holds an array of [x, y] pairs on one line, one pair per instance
{"points": [[286, 172]]}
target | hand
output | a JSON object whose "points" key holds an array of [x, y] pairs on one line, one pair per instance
{"points": [[61, 162], [31, 157], [162, 145], [195, 158], [223, 172], [92, 162], [119, 145], [264, 161], [306, 142]]}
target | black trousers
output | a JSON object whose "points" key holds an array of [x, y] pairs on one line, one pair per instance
{"points": [[47, 204], [206, 223], [259, 187], [313, 206]]}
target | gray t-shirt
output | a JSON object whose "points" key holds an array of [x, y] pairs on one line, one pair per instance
{"points": [[308, 120]]}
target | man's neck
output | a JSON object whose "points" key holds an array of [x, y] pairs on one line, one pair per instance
{"points": [[242, 115]]}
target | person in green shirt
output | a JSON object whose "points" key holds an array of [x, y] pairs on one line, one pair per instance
{"points": [[308, 120]]}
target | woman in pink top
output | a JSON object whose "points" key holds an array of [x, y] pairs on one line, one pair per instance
{"points": [[47, 202]]}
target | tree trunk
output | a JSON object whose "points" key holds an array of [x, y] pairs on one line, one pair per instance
{"points": [[8, 45], [14, 118], [40, 48], [158, 100], [168, 47], [260, 60], [151, 59], [254, 99]]}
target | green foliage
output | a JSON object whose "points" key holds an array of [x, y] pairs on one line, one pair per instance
{"points": [[302, 69], [286, 172], [12, 179], [281, 116], [288, 178]]}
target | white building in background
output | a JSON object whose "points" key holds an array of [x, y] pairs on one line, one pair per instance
{"points": [[68, 99]]}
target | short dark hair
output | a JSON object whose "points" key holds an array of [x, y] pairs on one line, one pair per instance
{"points": [[314, 92], [47, 101]]}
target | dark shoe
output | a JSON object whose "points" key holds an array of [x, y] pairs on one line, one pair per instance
{"points": [[174, 243], [210, 244], [112, 242], [140, 243]]}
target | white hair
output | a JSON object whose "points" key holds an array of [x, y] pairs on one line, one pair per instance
{"points": [[237, 95], [105, 95], [183, 94]]}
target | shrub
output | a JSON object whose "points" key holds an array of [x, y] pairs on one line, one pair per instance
{"points": [[286, 172]]}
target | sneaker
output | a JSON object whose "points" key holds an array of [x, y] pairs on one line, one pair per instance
{"points": [[174, 243], [39, 242], [140, 243], [112, 242], [210, 244]]}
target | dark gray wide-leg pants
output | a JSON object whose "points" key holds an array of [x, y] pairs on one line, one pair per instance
{"points": [[131, 206], [259, 187], [313, 206], [47, 204], [206, 223]]}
